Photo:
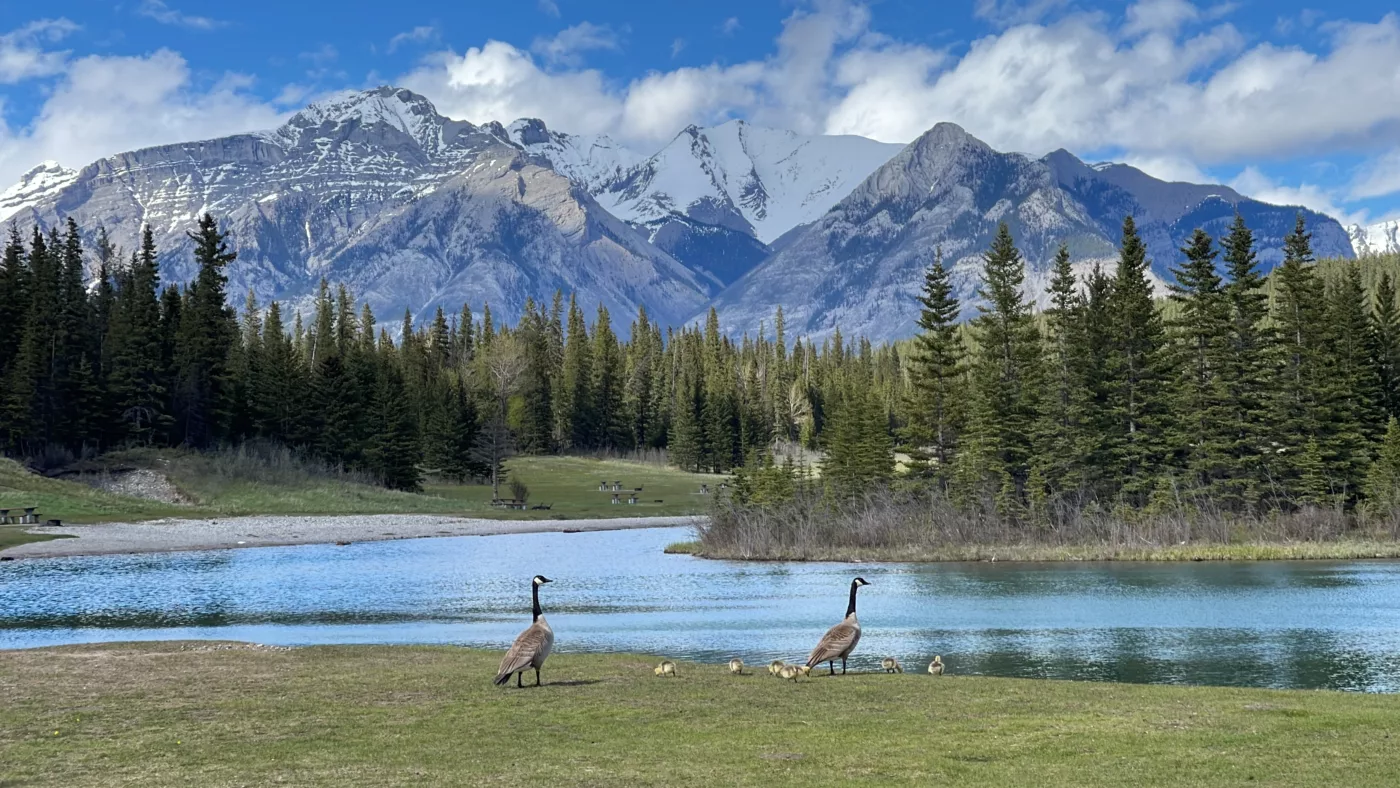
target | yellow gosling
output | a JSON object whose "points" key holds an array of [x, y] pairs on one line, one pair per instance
{"points": [[775, 667], [789, 672], [891, 665], [736, 666], [666, 668], [936, 666]]}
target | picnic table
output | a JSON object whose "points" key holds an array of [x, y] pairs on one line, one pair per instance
{"points": [[28, 518], [508, 503]]}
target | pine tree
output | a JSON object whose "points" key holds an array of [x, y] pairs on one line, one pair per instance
{"points": [[607, 385], [938, 373], [577, 412], [1349, 391], [1383, 477], [1059, 438], [1006, 369], [206, 337], [1384, 345], [1202, 402], [1137, 371], [1246, 368], [1299, 410]]}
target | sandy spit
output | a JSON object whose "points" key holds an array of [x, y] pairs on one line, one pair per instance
{"points": [[156, 536]]}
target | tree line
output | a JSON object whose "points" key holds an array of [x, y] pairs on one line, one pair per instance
{"points": [[1240, 393]]}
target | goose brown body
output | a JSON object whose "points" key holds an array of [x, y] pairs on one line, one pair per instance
{"points": [[531, 648], [842, 639]]}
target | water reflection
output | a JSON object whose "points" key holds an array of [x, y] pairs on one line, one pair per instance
{"points": [[1329, 625]]}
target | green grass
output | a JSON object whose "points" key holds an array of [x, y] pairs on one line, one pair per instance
{"points": [[1282, 551], [11, 536], [222, 715], [221, 488]]}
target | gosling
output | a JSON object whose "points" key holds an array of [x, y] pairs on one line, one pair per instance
{"points": [[793, 671], [775, 667], [891, 665], [936, 666], [736, 666], [666, 668]]}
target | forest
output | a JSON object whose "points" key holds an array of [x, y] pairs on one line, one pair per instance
{"points": [[1237, 392]]}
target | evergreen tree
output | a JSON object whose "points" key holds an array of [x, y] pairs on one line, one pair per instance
{"points": [[1059, 437], [938, 373], [1350, 390], [1245, 368], [1383, 477], [1299, 410], [393, 450], [1384, 346], [1006, 371], [578, 415], [1204, 426], [204, 343], [1137, 371], [607, 385]]}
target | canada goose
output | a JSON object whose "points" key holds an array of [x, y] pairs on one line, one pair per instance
{"points": [[532, 647], [666, 668], [840, 640], [936, 666], [891, 665], [736, 666], [775, 667]]}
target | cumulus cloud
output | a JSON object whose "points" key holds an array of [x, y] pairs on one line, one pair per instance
{"points": [[23, 53], [1261, 187], [164, 14], [106, 105], [568, 45], [1015, 12]]}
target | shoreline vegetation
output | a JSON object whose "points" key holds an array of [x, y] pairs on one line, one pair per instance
{"points": [[220, 713]]}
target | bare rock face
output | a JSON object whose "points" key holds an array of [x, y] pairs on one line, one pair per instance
{"points": [[376, 190], [860, 265]]}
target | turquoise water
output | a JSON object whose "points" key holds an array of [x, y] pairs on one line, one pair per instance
{"points": [[1269, 624]]}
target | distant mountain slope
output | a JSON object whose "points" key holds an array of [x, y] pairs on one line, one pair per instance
{"points": [[1382, 238], [377, 190], [860, 266], [714, 198]]}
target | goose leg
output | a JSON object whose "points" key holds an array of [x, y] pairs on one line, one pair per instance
{"points": [[843, 666], [832, 664], [520, 679], [537, 677]]}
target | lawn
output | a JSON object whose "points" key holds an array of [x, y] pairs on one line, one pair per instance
{"points": [[224, 715], [225, 488]]}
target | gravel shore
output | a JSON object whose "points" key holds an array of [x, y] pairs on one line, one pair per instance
{"points": [[157, 536]]}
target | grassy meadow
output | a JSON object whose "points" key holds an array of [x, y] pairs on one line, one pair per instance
{"points": [[224, 715]]}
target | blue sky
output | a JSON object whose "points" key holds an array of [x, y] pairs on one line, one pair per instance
{"points": [[1283, 100]]}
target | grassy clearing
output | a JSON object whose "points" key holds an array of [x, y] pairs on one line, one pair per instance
{"points": [[10, 536], [223, 715], [1295, 551], [224, 485]]}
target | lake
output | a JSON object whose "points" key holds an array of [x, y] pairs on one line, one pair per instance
{"points": [[1333, 625]]}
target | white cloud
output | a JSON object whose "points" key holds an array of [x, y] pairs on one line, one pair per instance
{"points": [[1378, 178], [1170, 168], [1015, 12], [1253, 183], [23, 54], [677, 46], [164, 14], [567, 47], [107, 105], [730, 26], [418, 35], [549, 7], [1159, 16]]}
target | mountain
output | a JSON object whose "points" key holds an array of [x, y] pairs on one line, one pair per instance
{"points": [[1383, 238], [375, 189], [715, 198], [34, 187], [860, 265]]}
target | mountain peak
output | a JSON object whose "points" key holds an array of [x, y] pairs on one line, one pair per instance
{"points": [[529, 131], [398, 108], [42, 181]]}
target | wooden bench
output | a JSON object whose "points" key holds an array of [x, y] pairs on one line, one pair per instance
{"points": [[617, 487], [508, 503], [28, 518], [632, 499]]}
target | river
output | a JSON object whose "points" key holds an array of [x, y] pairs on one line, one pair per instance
{"points": [[1333, 625]]}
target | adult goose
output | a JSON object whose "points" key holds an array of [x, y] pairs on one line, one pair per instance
{"points": [[532, 647], [840, 640]]}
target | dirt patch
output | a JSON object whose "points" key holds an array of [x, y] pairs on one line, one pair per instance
{"points": [[140, 483]]}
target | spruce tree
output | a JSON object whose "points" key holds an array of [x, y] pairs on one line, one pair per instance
{"points": [[1350, 384], [393, 450], [1246, 369], [607, 385], [1384, 345], [1059, 433], [1006, 372], [205, 341], [1299, 408], [576, 405], [937, 372], [1383, 477], [1203, 428], [1137, 371]]}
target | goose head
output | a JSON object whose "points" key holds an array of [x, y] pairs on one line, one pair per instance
{"points": [[541, 580]]}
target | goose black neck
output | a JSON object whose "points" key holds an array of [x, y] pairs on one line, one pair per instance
{"points": [[851, 608], [535, 595]]}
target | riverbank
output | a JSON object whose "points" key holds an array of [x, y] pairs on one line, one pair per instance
{"points": [[152, 536], [221, 714], [1340, 550]]}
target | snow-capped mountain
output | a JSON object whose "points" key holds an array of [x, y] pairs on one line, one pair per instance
{"points": [[34, 187], [1382, 238], [860, 266], [716, 198], [377, 190]]}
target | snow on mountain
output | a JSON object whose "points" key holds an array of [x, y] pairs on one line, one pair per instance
{"points": [[860, 265], [1383, 238], [377, 190], [715, 198], [35, 186]]}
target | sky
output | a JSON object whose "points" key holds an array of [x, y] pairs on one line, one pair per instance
{"points": [[1289, 101]]}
